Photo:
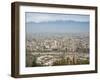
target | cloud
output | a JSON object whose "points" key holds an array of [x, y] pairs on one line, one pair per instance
{"points": [[47, 17]]}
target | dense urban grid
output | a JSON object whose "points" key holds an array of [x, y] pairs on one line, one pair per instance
{"points": [[54, 49]]}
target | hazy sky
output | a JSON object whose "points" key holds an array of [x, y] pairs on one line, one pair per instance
{"points": [[47, 22], [46, 17]]}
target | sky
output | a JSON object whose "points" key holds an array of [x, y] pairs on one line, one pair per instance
{"points": [[55, 22]]}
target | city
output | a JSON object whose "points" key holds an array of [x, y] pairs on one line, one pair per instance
{"points": [[56, 49]]}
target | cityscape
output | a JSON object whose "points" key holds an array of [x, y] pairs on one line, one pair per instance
{"points": [[57, 46], [57, 49]]}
